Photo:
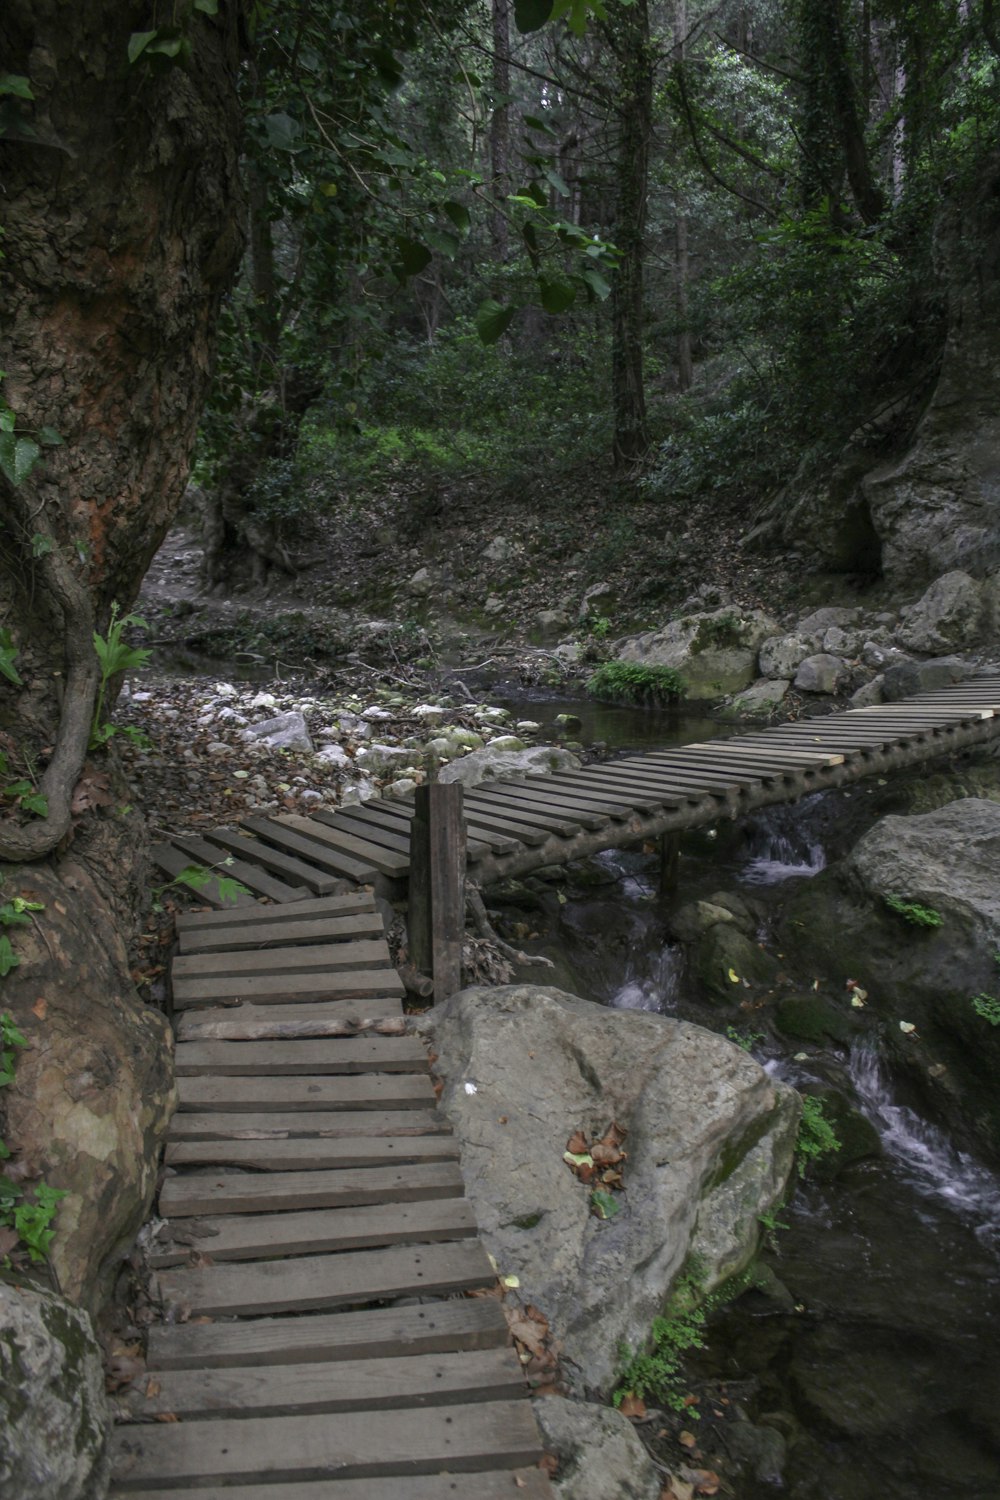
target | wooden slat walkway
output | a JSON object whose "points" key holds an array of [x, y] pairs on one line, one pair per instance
{"points": [[517, 826], [318, 1340]]}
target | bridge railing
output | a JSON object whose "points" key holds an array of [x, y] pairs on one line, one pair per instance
{"points": [[437, 885]]}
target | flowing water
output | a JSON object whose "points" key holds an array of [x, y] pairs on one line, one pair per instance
{"points": [[880, 1363]]}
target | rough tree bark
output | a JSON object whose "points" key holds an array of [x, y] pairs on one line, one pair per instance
{"points": [[122, 224]]}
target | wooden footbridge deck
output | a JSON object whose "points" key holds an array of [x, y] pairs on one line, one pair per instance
{"points": [[513, 827], [317, 1269], [319, 1339]]}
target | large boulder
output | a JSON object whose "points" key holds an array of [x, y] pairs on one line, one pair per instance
{"points": [[53, 1414], [715, 651], [600, 1454], [710, 1141], [921, 959], [93, 1088], [492, 764], [949, 614]]}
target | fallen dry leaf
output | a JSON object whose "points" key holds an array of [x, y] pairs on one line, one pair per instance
{"points": [[577, 1143], [152, 1388], [686, 1439], [633, 1406], [549, 1464], [526, 1332], [166, 1416], [40, 1008]]}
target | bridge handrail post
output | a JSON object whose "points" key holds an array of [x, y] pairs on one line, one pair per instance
{"points": [[437, 885]]}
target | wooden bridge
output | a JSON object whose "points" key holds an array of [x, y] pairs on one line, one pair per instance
{"points": [[322, 1338]]}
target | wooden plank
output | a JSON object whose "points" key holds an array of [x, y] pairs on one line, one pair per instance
{"points": [[502, 1484], [257, 852], [595, 783], [576, 799], [484, 825], [267, 989], [359, 1054], [333, 837], [354, 902], [334, 861], [309, 1154], [462, 1323], [273, 935], [337, 1091], [437, 886], [783, 762], [494, 813], [171, 861], [263, 1236], [648, 779], [194, 1193], [201, 851], [741, 743], [313, 1019], [382, 826], [513, 795], [460, 1439], [316, 958], [309, 1283], [425, 1380], [327, 1124]]}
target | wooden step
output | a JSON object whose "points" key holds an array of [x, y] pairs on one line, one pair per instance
{"points": [[331, 836], [334, 862], [272, 989], [459, 1439], [269, 934], [327, 1124], [502, 1484], [359, 1054], [313, 1282], [432, 1327], [171, 861], [229, 1192], [255, 851], [352, 904], [258, 880], [351, 1091], [312, 1155], [262, 1236], [315, 958], [254, 1022], [424, 1380]]}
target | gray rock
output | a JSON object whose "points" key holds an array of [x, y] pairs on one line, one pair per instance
{"points": [[421, 583], [524, 1068], [382, 760], [822, 620], [285, 732], [948, 614], [550, 623], [599, 600], [822, 674], [600, 1455], [334, 757], [840, 642], [53, 1413], [909, 677], [491, 764], [689, 922], [499, 550], [760, 698], [869, 694], [715, 651], [780, 656]]}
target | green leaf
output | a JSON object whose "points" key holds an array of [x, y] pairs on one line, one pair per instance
{"points": [[8, 958], [281, 131], [531, 15], [493, 320], [14, 83], [18, 789], [413, 256], [7, 419], [137, 44], [459, 215], [553, 177], [49, 438], [8, 651], [534, 123], [195, 876], [41, 545], [444, 242], [596, 282], [207, 7], [18, 456], [11, 917], [37, 803], [556, 296], [230, 889], [604, 1205]]}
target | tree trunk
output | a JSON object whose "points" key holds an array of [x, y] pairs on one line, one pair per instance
{"points": [[682, 260], [122, 223], [500, 128], [629, 33]]}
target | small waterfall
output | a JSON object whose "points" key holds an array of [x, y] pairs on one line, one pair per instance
{"points": [[783, 843], [656, 990], [928, 1160]]}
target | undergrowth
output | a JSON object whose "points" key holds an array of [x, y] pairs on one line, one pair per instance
{"points": [[632, 682]]}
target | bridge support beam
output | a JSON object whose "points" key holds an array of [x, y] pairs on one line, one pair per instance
{"points": [[670, 856], [437, 886]]}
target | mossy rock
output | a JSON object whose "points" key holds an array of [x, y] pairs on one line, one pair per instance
{"points": [[859, 1140], [814, 1018], [722, 952]]}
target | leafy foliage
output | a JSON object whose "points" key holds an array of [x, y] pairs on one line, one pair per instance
{"points": [[28, 1212], [913, 912], [988, 1007], [817, 1136], [633, 682], [115, 655], [656, 1374]]}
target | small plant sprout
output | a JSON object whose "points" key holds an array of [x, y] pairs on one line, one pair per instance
{"points": [[987, 1006], [913, 912], [817, 1136], [114, 656]]}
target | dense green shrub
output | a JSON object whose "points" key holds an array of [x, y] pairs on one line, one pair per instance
{"points": [[631, 682]]}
